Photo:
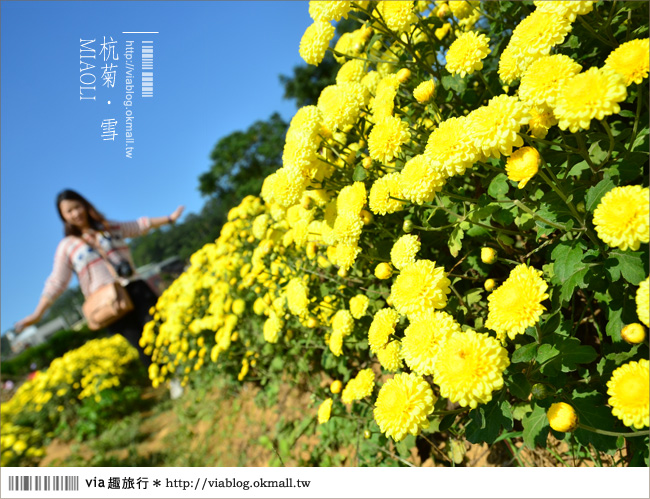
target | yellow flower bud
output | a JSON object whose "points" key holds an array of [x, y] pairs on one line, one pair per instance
{"points": [[343, 272], [522, 165], [424, 91], [488, 255], [383, 270], [312, 249], [633, 333], [336, 386], [367, 162], [443, 11], [312, 322], [489, 284], [366, 217], [403, 75], [562, 417]]}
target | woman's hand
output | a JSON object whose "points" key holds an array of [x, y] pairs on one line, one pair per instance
{"points": [[27, 321], [177, 213]]}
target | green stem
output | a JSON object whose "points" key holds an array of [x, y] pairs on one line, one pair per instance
{"points": [[584, 153], [611, 141], [635, 127], [594, 34], [614, 433], [522, 206]]}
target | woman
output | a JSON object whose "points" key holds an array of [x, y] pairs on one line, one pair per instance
{"points": [[89, 239]]}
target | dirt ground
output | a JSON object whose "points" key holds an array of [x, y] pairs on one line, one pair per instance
{"points": [[226, 430]]}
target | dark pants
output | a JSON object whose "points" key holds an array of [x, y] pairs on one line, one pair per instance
{"points": [[131, 325]]}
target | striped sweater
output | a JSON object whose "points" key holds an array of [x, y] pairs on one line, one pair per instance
{"points": [[75, 255]]}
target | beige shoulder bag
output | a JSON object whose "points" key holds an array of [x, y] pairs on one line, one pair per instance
{"points": [[108, 303]]}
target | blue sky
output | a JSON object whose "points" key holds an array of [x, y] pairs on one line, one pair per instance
{"points": [[216, 67]]}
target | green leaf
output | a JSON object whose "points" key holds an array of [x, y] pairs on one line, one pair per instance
{"points": [[575, 280], [488, 421], [520, 410], [595, 193], [591, 410], [611, 361], [535, 428], [630, 266], [524, 353], [454, 82], [499, 186], [567, 260], [564, 355], [455, 241], [578, 168], [359, 174], [519, 386]]}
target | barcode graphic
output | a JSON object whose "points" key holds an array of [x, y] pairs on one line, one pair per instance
{"points": [[147, 69], [44, 482]]}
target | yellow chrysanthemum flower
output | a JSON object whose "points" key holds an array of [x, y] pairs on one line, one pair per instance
{"points": [[390, 356], [343, 322], [340, 104], [325, 410], [621, 218], [382, 192], [535, 36], [345, 255], [540, 84], [423, 337], [272, 328], [522, 165], [420, 286], [593, 94], [419, 181], [567, 8], [358, 387], [631, 60], [297, 297], [404, 250], [469, 367], [336, 343], [517, 303], [562, 417], [383, 325], [351, 71], [495, 127], [450, 148], [397, 14], [386, 138], [509, 70], [322, 10], [462, 8], [467, 52], [424, 91], [629, 391], [403, 406], [541, 119], [383, 271], [359, 305], [315, 41], [351, 198], [643, 302]]}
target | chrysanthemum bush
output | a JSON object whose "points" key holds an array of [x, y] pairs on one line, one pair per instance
{"points": [[458, 234], [89, 378]]}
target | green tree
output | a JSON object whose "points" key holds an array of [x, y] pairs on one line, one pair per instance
{"points": [[241, 160]]}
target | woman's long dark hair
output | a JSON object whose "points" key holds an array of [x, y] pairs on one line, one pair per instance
{"points": [[96, 220]]}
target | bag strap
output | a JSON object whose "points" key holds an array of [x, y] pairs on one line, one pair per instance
{"points": [[104, 257]]}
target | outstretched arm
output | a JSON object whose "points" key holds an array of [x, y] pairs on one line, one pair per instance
{"points": [[159, 221], [35, 316]]}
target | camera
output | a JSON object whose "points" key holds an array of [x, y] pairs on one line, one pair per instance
{"points": [[123, 269]]}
